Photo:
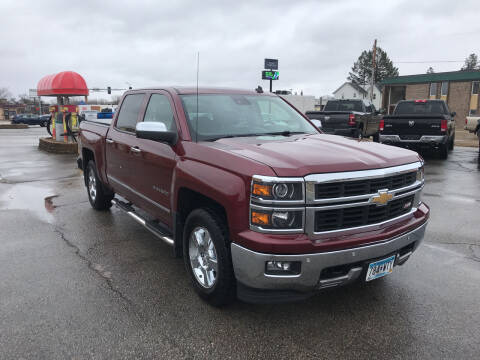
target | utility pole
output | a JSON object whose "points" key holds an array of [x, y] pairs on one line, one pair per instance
{"points": [[373, 69]]}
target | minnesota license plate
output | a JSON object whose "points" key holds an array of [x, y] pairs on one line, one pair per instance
{"points": [[380, 268]]}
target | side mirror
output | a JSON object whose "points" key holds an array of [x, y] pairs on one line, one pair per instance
{"points": [[156, 131], [453, 113], [317, 123]]}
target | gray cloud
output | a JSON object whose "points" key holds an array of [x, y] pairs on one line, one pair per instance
{"points": [[149, 43]]}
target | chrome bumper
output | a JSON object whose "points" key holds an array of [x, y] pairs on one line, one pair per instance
{"points": [[249, 266], [427, 139]]}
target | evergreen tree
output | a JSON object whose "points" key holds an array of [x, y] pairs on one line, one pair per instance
{"points": [[361, 73], [471, 63], [430, 70]]}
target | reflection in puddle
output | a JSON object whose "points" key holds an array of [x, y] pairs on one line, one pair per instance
{"points": [[49, 204], [34, 198]]}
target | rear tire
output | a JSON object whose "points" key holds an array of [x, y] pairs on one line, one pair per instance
{"points": [[451, 144], [99, 198], [207, 257], [443, 151]]}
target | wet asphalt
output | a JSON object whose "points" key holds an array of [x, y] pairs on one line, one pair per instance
{"points": [[80, 284]]}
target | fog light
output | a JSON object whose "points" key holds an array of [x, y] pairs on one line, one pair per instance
{"points": [[282, 267]]}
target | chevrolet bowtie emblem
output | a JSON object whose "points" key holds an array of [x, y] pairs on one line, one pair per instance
{"points": [[382, 198]]}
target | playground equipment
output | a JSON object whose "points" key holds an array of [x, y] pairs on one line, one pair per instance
{"points": [[64, 117]]}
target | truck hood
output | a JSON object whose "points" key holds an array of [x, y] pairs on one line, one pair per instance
{"points": [[301, 155]]}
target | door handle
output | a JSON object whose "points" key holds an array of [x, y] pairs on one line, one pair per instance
{"points": [[109, 141], [135, 149]]}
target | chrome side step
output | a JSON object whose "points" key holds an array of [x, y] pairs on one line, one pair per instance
{"points": [[150, 226]]}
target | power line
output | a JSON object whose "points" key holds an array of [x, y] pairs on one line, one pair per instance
{"points": [[429, 62]]}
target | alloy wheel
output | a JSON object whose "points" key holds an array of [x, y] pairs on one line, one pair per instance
{"points": [[92, 185], [203, 257]]}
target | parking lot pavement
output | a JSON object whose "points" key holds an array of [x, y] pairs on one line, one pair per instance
{"points": [[77, 283]]}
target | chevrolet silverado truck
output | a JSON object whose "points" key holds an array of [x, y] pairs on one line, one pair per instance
{"points": [[259, 203], [420, 124], [353, 118]]}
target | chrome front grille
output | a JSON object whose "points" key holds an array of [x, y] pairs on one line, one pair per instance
{"points": [[361, 187], [344, 218], [337, 202]]}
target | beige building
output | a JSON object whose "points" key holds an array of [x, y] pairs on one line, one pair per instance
{"points": [[460, 89]]}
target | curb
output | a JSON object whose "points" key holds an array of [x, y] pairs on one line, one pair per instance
{"points": [[57, 147], [13, 126]]}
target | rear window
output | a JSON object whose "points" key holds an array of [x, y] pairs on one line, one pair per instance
{"points": [[343, 105], [413, 107]]}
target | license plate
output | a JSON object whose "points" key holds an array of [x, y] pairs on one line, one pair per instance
{"points": [[380, 268]]}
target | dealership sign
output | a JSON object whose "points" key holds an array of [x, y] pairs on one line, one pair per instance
{"points": [[271, 64], [270, 75]]}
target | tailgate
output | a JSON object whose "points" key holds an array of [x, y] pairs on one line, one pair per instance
{"points": [[332, 119], [411, 127]]}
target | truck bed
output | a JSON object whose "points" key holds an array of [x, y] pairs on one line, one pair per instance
{"points": [[93, 135]]}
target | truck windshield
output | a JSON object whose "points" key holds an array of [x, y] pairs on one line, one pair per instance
{"points": [[231, 115], [343, 105], [416, 107]]}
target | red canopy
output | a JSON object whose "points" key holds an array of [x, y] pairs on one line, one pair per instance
{"points": [[66, 83]]}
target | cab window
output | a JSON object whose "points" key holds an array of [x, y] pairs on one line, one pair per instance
{"points": [[127, 117], [160, 110]]}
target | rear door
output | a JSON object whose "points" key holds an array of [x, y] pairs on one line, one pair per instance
{"points": [[120, 146], [155, 161]]}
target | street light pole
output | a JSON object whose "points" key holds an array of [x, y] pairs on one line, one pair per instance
{"points": [[373, 69]]}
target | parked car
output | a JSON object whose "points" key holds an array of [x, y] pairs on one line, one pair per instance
{"points": [[45, 119], [353, 118], [259, 203], [420, 124], [31, 119], [88, 114]]}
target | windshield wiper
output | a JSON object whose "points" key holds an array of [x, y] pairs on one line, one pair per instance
{"points": [[283, 133]]}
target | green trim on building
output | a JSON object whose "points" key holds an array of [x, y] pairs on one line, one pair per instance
{"points": [[434, 77]]}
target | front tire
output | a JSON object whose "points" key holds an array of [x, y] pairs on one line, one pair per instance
{"points": [[98, 197], [207, 257]]}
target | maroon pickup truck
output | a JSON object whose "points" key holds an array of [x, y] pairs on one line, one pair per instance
{"points": [[260, 204]]}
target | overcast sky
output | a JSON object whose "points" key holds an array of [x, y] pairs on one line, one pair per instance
{"points": [[148, 43]]}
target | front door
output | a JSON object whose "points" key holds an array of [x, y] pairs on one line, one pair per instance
{"points": [[121, 153], [155, 161]]}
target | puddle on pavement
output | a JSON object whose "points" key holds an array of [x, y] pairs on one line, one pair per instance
{"points": [[34, 198]]}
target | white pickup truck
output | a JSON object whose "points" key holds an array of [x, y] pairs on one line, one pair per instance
{"points": [[471, 123]]}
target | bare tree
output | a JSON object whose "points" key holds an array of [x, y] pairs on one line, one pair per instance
{"points": [[430, 70], [5, 93]]}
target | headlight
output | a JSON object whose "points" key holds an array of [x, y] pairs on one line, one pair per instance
{"points": [[269, 190], [265, 219], [277, 204], [420, 174]]}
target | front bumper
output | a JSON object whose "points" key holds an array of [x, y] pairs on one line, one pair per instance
{"points": [[424, 140], [249, 266]]}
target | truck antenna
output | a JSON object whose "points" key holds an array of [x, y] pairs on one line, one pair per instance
{"points": [[196, 118]]}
